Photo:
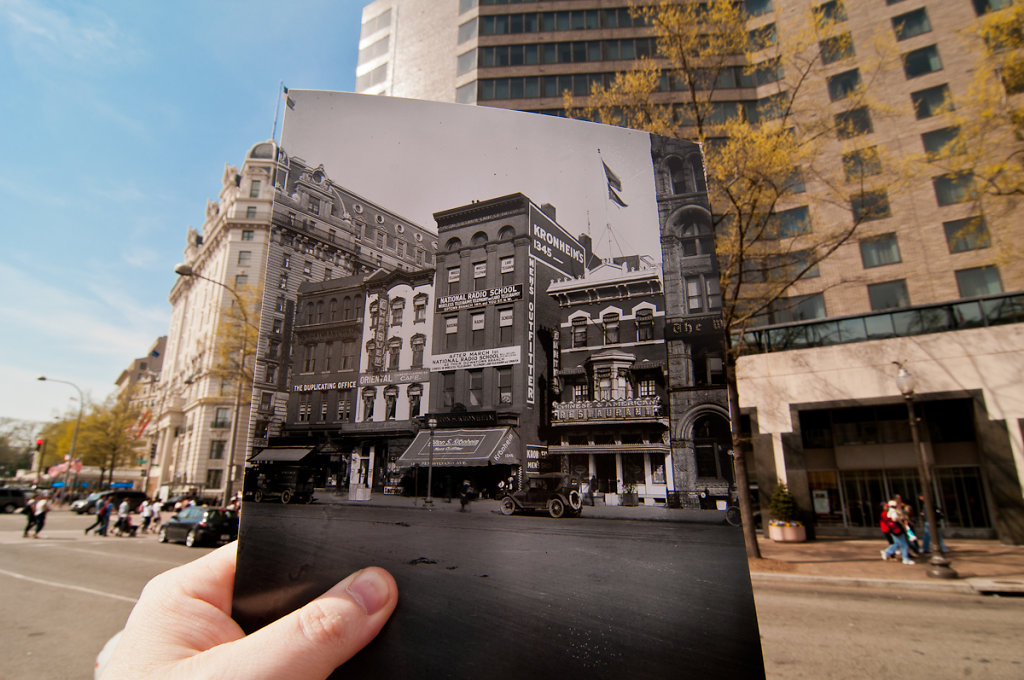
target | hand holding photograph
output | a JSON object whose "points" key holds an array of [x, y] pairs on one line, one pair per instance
{"points": [[490, 362]]}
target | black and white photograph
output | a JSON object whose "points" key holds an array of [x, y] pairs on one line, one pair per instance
{"points": [[488, 352]]}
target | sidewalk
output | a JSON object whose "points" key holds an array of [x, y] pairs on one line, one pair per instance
{"points": [[982, 566]]}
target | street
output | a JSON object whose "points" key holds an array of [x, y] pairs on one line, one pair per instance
{"points": [[66, 594]]}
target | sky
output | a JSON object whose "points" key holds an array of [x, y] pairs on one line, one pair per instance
{"points": [[417, 158], [119, 118]]}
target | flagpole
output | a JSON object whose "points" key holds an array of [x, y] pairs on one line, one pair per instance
{"points": [[281, 90]]}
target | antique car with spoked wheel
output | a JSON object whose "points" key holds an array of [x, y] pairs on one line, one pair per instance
{"points": [[556, 493]]}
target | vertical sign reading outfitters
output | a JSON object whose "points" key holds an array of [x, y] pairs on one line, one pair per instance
{"points": [[553, 247]]}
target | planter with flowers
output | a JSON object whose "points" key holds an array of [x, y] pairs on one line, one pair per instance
{"points": [[783, 525]]}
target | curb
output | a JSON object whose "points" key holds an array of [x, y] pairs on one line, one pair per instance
{"points": [[962, 587]]}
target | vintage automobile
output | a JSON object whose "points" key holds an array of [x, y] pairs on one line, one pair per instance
{"points": [[286, 484], [556, 492]]}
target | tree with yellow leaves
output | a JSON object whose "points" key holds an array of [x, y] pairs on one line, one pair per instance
{"points": [[781, 200]]}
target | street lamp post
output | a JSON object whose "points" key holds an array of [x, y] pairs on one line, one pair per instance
{"points": [[906, 383], [74, 435], [184, 269], [432, 424]]}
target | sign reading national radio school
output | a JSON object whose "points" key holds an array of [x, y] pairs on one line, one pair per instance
{"points": [[552, 245], [480, 298], [481, 358]]}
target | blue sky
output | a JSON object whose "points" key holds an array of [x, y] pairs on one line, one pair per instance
{"points": [[119, 118]]}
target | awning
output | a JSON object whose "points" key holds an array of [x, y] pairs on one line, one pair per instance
{"points": [[282, 454], [463, 448]]}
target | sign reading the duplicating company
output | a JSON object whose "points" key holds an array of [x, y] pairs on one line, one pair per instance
{"points": [[481, 358], [479, 298]]}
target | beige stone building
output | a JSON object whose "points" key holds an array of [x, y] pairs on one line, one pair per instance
{"points": [[818, 384]]}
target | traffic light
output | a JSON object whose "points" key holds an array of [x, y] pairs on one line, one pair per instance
{"points": [[39, 444]]}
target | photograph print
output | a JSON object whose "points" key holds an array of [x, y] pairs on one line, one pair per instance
{"points": [[490, 362]]}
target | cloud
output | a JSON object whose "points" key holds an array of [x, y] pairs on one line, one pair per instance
{"points": [[98, 322], [44, 34]]}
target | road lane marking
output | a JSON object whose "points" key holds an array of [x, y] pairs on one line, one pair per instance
{"points": [[66, 586]]}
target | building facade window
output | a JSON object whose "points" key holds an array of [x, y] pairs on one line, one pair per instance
{"points": [[305, 407], [970, 233], [213, 478], [254, 189], [475, 379], [942, 142], [911, 24], [506, 319], [789, 223], [448, 389], [504, 380], [476, 323], [646, 387], [250, 212], [853, 123], [508, 270], [836, 48], [309, 365], [870, 205], [241, 280], [390, 402], [888, 295], [369, 397], [880, 250], [579, 332], [419, 308], [344, 405], [862, 163], [921, 62], [247, 234], [415, 394], [453, 280], [217, 449], [979, 281], [394, 353], [644, 325], [479, 275], [953, 188], [932, 101], [397, 311], [610, 322], [418, 343], [451, 332], [842, 85]]}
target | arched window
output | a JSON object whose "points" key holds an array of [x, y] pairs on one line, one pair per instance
{"points": [[309, 312], [332, 308], [453, 244], [579, 332], [346, 308], [681, 176], [506, 232], [644, 325], [394, 352], [479, 239], [611, 328], [357, 302], [320, 312], [418, 343], [397, 311]]}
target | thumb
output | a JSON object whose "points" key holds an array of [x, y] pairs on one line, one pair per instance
{"points": [[312, 641]]}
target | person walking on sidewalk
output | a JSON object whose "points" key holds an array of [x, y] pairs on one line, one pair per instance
{"points": [[30, 514], [102, 513], [895, 521]]}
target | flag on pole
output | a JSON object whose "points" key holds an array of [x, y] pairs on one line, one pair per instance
{"points": [[614, 185]]}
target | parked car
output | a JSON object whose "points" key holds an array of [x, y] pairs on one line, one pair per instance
{"points": [[556, 492], [88, 504], [284, 483], [12, 500], [198, 525]]}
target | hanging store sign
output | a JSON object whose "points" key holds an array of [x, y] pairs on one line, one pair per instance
{"points": [[694, 326]]}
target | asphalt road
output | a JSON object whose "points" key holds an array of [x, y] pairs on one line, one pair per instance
{"points": [[64, 595], [548, 598]]}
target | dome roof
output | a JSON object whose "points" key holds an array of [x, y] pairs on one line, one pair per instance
{"points": [[262, 150]]}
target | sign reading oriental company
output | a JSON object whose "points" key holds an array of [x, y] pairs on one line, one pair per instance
{"points": [[480, 298]]}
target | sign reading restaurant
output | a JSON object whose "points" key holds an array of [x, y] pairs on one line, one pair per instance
{"points": [[479, 298], [481, 358]]}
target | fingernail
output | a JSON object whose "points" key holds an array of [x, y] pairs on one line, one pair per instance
{"points": [[369, 590]]}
